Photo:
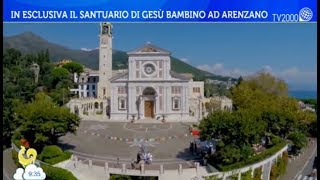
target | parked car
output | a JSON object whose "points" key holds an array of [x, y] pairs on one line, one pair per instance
{"points": [[206, 147]]}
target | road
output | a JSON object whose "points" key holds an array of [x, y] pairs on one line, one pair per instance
{"points": [[308, 169], [305, 174]]}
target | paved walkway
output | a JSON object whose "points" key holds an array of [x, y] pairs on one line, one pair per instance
{"points": [[295, 166], [9, 167]]}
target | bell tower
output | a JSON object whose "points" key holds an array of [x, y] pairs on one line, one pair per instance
{"points": [[105, 60]]}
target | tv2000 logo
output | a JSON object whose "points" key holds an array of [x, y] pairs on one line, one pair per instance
{"points": [[304, 15]]}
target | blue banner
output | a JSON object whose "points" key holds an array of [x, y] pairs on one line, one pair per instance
{"points": [[289, 11]]}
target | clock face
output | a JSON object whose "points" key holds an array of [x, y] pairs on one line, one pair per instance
{"points": [[149, 69]]}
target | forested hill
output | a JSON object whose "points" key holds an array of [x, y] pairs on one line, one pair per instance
{"points": [[29, 42]]}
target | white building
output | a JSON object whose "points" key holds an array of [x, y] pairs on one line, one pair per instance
{"points": [[87, 83], [217, 103], [306, 107], [149, 89]]}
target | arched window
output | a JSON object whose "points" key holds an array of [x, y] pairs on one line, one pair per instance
{"points": [[96, 105]]}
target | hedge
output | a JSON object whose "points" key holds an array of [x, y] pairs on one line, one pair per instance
{"points": [[53, 155], [254, 159], [53, 173], [51, 151], [65, 156]]}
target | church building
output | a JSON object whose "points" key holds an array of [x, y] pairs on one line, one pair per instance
{"points": [[149, 89]]}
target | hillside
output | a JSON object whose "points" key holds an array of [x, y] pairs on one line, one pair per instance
{"points": [[29, 42]]}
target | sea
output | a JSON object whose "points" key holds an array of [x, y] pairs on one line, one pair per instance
{"points": [[303, 94]]}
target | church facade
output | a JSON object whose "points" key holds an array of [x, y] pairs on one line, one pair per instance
{"points": [[149, 89]]}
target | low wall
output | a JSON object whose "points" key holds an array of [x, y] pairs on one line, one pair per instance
{"points": [[185, 173], [265, 165], [179, 173], [124, 169]]}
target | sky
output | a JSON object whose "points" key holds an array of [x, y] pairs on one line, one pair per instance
{"points": [[286, 50]]}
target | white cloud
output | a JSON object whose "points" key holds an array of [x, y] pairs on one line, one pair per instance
{"points": [[204, 67], [219, 69], [267, 68], [34, 173], [294, 71], [295, 75], [184, 60], [292, 75], [87, 49], [18, 174]]}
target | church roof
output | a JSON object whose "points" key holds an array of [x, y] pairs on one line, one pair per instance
{"points": [[187, 75], [149, 48], [180, 76], [117, 75]]}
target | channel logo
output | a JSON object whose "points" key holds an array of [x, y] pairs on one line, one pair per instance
{"points": [[305, 14]]}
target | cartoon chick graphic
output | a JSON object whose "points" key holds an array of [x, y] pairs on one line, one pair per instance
{"points": [[31, 156]]}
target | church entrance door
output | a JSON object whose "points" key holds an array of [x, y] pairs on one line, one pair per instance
{"points": [[148, 109]]}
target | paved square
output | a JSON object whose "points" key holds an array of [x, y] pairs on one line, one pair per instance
{"points": [[168, 143]]}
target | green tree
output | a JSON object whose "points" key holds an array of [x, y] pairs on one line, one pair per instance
{"points": [[229, 154], [259, 92], [73, 67], [58, 74], [222, 90], [9, 125], [11, 57], [43, 121], [240, 79], [299, 139]]}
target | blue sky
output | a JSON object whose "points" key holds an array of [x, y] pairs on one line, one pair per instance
{"points": [[286, 50]]}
